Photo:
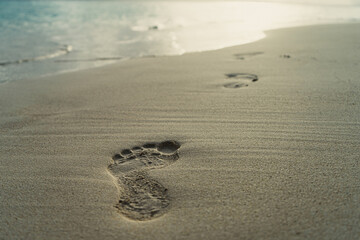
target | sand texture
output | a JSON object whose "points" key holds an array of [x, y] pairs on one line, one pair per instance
{"points": [[259, 141]]}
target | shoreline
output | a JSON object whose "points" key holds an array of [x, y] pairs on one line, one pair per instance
{"points": [[157, 56], [252, 141]]}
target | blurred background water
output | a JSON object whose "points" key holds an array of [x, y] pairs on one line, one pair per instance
{"points": [[39, 38]]}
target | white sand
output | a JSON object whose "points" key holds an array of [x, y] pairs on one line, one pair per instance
{"points": [[278, 159]]}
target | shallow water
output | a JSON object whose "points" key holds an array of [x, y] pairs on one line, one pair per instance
{"points": [[47, 37]]}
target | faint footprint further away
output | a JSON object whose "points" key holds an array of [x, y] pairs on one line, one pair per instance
{"points": [[242, 80], [243, 56], [141, 197]]}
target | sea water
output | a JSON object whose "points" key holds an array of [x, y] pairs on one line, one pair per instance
{"points": [[39, 38]]}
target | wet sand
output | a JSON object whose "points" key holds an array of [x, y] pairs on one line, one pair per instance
{"points": [[259, 141]]}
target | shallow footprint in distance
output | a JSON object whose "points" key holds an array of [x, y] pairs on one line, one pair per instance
{"points": [[243, 56], [243, 80]]}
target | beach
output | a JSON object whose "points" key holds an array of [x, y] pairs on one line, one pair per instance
{"points": [[258, 141]]}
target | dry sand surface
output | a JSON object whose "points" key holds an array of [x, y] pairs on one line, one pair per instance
{"points": [[259, 141]]}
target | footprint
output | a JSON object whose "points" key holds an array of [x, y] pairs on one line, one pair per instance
{"points": [[285, 56], [243, 79], [235, 85], [141, 197], [243, 56]]}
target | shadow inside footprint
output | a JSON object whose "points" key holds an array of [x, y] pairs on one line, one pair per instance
{"points": [[168, 147], [143, 198], [243, 80]]}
